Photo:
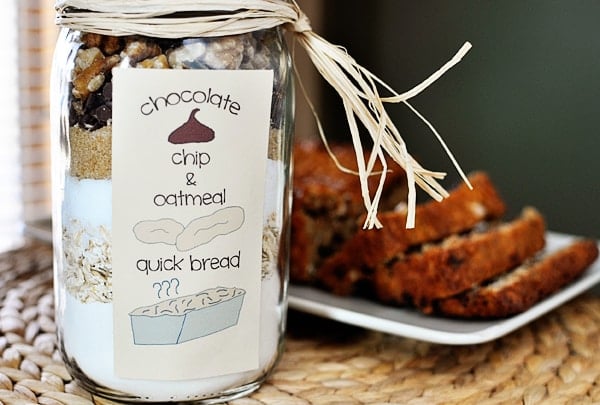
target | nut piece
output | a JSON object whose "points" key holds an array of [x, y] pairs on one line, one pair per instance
{"points": [[85, 58], [202, 230], [163, 230], [225, 52], [212, 53], [137, 50], [158, 62], [111, 45], [91, 78], [91, 40], [189, 55]]}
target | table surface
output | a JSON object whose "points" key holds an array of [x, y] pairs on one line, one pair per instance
{"points": [[555, 359]]}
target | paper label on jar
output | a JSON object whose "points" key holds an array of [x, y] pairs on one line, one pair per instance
{"points": [[188, 174]]}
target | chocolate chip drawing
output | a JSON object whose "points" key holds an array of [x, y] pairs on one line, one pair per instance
{"points": [[198, 231], [192, 131]]}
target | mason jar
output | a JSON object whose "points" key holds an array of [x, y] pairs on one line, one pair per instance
{"points": [[171, 182]]}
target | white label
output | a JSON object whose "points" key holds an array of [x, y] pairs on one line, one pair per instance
{"points": [[189, 161]]}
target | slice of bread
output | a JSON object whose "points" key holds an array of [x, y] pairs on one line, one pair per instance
{"points": [[459, 262], [353, 264], [519, 289]]}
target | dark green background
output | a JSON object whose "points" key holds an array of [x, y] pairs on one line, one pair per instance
{"points": [[523, 105]]}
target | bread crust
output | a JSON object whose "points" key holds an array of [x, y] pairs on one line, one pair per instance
{"points": [[355, 261], [459, 262], [519, 289]]}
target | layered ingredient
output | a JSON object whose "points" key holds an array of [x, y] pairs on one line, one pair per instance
{"points": [[87, 267]]}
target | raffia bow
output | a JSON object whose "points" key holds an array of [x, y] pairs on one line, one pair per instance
{"points": [[357, 87]]}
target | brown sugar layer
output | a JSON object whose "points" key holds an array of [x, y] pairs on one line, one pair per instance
{"points": [[519, 289], [460, 262], [91, 153], [462, 210]]}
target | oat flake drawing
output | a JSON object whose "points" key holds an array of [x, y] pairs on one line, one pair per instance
{"points": [[198, 232]]}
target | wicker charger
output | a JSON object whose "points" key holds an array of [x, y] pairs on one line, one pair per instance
{"points": [[555, 359]]}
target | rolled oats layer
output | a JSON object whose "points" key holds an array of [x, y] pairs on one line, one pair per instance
{"points": [[86, 236], [270, 247], [87, 273]]}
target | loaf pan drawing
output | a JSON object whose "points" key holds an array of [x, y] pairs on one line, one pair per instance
{"points": [[177, 320]]}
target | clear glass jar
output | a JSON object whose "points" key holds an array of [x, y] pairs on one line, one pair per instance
{"points": [[171, 165]]}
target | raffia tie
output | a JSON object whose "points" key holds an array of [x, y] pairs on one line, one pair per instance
{"points": [[358, 88]]}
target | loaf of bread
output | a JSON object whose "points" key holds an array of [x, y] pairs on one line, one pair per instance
{"points": [[462, 259]]}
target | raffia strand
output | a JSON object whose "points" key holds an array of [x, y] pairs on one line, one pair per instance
{"points": [[358, 89]]}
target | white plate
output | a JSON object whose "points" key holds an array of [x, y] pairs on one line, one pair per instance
{"points": [[412, 324]]}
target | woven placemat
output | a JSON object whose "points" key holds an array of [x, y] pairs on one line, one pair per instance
{"points": [[555, 359]]}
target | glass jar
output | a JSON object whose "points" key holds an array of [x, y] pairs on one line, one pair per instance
{"points": [[171, 165]]}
